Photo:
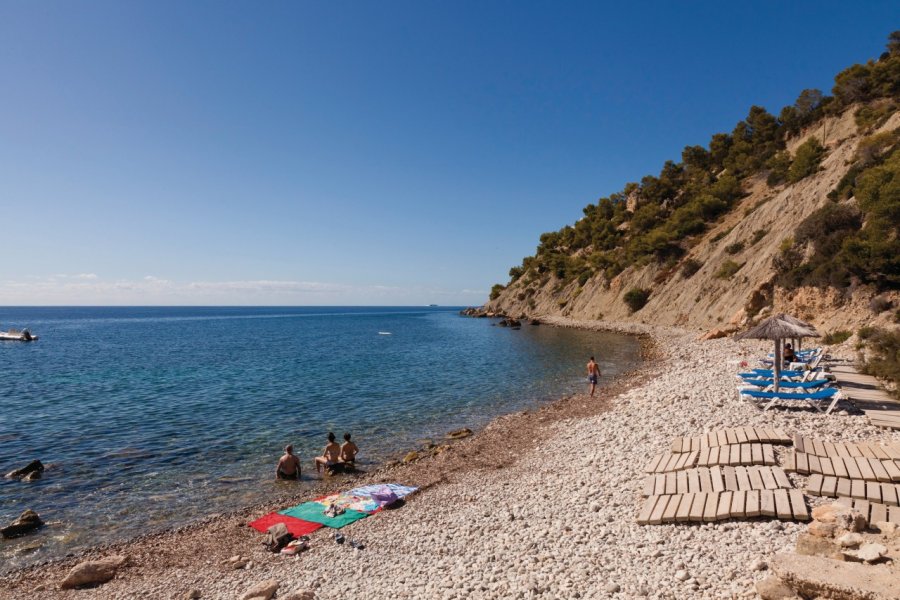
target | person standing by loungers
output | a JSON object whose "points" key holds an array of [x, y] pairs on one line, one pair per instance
{"points": [[288, 465], [330, 454], [593, 372], [348, 451]]}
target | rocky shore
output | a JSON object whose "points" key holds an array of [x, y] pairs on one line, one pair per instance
{"points": [[539, 504]]}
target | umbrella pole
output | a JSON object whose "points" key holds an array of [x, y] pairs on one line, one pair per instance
{"points": [[777, 370]]}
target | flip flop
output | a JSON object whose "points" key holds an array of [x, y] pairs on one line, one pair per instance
{"points": [[357, 545], [339, 538]]}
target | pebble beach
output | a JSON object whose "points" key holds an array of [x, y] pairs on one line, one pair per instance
{"points": [[536, 505]]}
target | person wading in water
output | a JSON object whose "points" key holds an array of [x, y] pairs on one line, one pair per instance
{"points": [[288, 466], [593, 371]]}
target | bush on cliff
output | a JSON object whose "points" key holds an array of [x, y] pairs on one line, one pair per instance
{"points": [[636, 298]]}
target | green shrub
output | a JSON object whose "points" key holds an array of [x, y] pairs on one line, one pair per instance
{"points": [[721, 234], [836, 337], [865, 333], [689, 267], [728, 269], [636, 298], [874, 116], [496, 290], [884, 356], [758, 235], [734, 248], [879, 304], [778, 165], [806, 160]]}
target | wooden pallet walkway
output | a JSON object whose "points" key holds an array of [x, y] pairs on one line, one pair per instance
{"points": [[873, 511], [880, 450], [840, 487], [737, 454], [867, 469], [716, 479], [716, 506], [726, 437], [667, 463], [867, 395]]}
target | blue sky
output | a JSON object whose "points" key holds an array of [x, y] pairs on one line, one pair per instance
{"points": [[360, 152]]}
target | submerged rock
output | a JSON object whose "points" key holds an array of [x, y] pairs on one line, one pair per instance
{"points": [[460, 433], [27, 522], [31, 471]]}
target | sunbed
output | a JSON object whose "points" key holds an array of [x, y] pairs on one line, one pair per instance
{"points": [[815, 399], [767, 384]]}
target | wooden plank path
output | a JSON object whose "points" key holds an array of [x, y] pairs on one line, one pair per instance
{"points": [[737, 454], [839, 487], [848, 467], [867, 395], [726, 437], [880, 450], [716, 506], [716, 479], [873, 511]]}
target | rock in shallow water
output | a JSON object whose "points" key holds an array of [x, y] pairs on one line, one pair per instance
{"points": [[27, 522]]}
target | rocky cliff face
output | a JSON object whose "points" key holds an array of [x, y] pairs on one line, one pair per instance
{"points": [[705, 300]]}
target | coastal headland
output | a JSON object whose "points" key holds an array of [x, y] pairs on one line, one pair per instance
{"points": [[537, 504]]}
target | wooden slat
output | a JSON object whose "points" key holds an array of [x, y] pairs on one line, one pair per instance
{"points": [[723, 511], [753, 508], [840, 469], [649, 485], [829, 487], [780, 478], [741, 435], [768, 451], [878, 469], [677, 444], [730, 478], [705, 481], [873, 492], [879, 513], [671, 486], [790, 463], [752, 435], [814, 465], [757, 482], [853, 468], [684, 507], [658, 509], [889, 494], [738, 504], [798, 505], [819, 448], [697, 506], [731, 436], [783, 504], [866, 451], [681, 482], [647, 510], [671, 509], [703, 458], [857, 489], [767, 503], [803, 463], [659, 484], [825, 466], [894, 514], [768, 478], [862, 506], [853, 450], [830, 450], [798, 443], [866, 469], [721, 438], [842, 450], [743, 479], [712, 505], [843, 488], [879, 452], [718, 484], [693, 481], [781, 437], [892, 469], [654, 462], [735, 457], [746, 454], [814, 485]]}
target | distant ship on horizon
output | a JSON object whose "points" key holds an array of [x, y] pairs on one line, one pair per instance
{"points": [[432, 305]]}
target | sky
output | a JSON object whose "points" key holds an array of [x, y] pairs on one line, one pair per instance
{"points": [[360, 153]]}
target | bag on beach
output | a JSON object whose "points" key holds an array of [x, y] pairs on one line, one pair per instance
{"points": [[277, 537]]}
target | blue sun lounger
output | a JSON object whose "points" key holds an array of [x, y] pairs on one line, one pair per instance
{"points": [[815, 399], [765, 384]]}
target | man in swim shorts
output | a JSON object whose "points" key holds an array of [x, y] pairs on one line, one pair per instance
{"points": [[593, 372], [288, 465], [348, 450], [330, 454]]}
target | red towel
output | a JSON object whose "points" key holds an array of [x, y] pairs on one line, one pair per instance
{"points": [[295, 526]]}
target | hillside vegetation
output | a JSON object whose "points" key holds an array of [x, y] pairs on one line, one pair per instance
{"points": [[802, 208]]}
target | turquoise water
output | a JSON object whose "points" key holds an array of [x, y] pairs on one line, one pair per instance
{"points": [[157, 416]]}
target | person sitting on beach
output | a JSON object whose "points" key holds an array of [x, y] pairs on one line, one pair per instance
{"points": [[789, 355], [288, 465], [348, 450], [330, 454]]}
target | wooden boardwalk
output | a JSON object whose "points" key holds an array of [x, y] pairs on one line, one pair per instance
{"points": [[867, 395], [716, 506], [874, 512]]}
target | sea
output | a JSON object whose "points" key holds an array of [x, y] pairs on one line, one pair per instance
{"points": [[154, 417]]}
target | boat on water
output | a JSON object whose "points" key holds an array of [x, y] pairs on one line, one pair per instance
{"points": [[14, 335]]}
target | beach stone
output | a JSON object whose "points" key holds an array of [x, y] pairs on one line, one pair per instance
{"points": [[682, 575], [92, 572], [758, 565], [612, 588], [192, 594], [772, 588], [411, 456], [460, 433], [871, 552], [299, 595], [850, 540], [27, 522], [887, 527], [825, 513], [820, 529], [34, 466], [263, 589]]}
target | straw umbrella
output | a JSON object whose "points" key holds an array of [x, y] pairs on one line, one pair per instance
{"points": [[797, 321], [779, 327]]}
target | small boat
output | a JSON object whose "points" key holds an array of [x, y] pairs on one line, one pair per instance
{"points": [[14, 335]]}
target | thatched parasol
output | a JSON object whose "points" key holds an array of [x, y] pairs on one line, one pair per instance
{"points": [[779, 327]]}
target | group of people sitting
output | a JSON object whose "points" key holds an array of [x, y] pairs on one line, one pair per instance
{"points": [[334, 455]]}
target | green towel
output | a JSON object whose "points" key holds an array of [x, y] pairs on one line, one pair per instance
{"points": [[313, 511]]}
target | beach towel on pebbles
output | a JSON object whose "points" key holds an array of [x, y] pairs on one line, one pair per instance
{"points": [[295, 526], [314, 511], [348, 501], [400, 491]]}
